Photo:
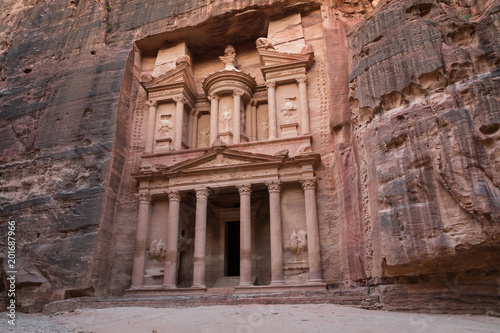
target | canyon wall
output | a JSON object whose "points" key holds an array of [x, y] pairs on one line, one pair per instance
{"points": [[414, 123]]}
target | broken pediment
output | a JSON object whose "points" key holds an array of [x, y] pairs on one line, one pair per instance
{"points": [[174, 81]]}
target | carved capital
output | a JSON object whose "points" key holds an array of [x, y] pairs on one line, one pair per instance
{"points": [[152, 103], [213, 96], [144, 198], [245, 189], [174, 195], [270, 84], [253, 102], [180, 99], [309, 183], [274, 186], [202, 192], [302, 79], [238, 92]]}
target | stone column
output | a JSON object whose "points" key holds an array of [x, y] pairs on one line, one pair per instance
{"points": [[271, 103], [313, 248], [254, 120], [179, 121], [150, 132], [277, 277], [304, 108], [237, 115], [245, 236], [174, 200], [249, 122], [141, 239], [214, 117], [194, 128], [200, 237]]}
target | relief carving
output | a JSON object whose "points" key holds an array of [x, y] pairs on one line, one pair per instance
{"points": [[165, 127], [298, 242], [204, 137], [264, 43], [225, 120], [288, 109], [157, 250]]}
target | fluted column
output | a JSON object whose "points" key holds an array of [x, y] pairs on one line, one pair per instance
{"points": [[179, 121], [271, 103], [141, 239], [169, 278], [277, 277], [214, 117], [200, 237], [313, 247], [150, 131], [237, 115], [245, 236], [254, 120], [304, 108]]}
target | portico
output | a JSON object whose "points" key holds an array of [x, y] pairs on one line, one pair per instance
{"points": [[214, 174]]}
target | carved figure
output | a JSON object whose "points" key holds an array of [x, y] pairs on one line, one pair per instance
{"points": [[229, 58], [182, 59], [298, 242], [157, 250], [165, 126], [226, 120], [204, 137], [304, 148], [264, 43], [288, 108]]}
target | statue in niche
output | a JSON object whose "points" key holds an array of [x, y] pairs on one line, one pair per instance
{"points": [[229, 59], [204, 137], [264, 128], [243, 120], [288, 109], [165, 126], [226, 120], [298, 242], [157, 250]]}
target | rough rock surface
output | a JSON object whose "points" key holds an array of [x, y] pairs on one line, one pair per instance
{"points": [[424, 152], [416, 170]]}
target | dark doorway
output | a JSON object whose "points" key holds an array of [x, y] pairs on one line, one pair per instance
{"points": [[183, 278], [232, 248]]}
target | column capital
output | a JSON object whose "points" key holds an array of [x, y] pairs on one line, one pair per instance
{"points": [[144, 198], [174, 195], [213, 96], [202, 192], [309, 183], [274, 186], [302, 79], [244, 189], [152, 103], [180, 99], [238, 92], [270, 84], [253, 102]]}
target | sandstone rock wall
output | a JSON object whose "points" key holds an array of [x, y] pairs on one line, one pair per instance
{"points": [[424, 87]]}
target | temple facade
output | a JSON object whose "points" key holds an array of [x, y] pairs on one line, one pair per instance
{"points": [[227, 179]]}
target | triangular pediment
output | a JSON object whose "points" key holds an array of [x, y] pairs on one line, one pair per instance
{"points": [[276, 58], [223, 159], [181, 75]]}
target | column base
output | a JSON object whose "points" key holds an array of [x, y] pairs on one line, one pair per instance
{"points": [[245, 284], [198, 286], [169, 286], [277, 283], [316, 282]]}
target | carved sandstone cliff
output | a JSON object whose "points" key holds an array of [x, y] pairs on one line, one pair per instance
{"points": [[424, 153]]}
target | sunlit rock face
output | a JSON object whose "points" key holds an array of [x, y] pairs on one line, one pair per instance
{"points": [[404, 113]]}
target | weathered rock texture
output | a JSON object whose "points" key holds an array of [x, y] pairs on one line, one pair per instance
{"points": [[414, 175]]}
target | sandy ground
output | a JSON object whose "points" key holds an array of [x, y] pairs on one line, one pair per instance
{"points": [[247, 319]]}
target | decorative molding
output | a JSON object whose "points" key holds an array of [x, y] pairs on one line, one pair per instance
{"points": [[213, 96], [274, 186], [302, 79], [244, 189], [309, 183], [270, 84], [202, 192], [152, 103], [181, 99], [144, 198], [174, 195]]}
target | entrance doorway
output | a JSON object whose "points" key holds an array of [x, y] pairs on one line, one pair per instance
{"points": [[232, 249], [183, 277]]}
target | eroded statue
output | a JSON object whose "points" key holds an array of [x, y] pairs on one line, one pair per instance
{"points": [[157, 250]]}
